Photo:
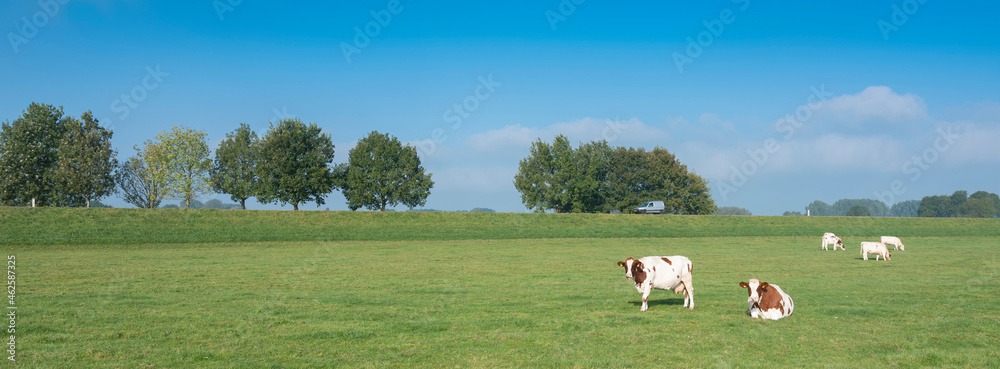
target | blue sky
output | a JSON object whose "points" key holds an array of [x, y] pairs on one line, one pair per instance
{"points": [[776, 103]]}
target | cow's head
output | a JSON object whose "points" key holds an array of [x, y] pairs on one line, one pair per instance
{"points": [[755, 289], [888, 254], [839, 243], [632, 267]]}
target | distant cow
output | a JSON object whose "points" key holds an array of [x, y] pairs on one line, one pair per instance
{"points": [[767, 301], [831, 239], [876, 248], [672, 273], [894, 241]]}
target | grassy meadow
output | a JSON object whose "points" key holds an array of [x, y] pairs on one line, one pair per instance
{"points": [[337, 289]]}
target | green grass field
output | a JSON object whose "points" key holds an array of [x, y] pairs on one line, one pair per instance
{"points": [[454, 290]]}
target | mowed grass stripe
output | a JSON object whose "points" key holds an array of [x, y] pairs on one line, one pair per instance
{"points": [[484, 303], [104, 227]]}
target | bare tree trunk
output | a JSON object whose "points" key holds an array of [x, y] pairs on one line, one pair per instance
{"points": [[295, 205], [243, 204]]}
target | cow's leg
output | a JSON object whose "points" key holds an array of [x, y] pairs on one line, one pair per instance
{"points": [[647, 287], [688, 292]]}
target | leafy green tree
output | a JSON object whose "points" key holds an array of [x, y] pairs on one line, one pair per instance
{"points": [[732, 210], [233, 171], [184, 154], [29, 152], [294, 164], [627, 178], [86, 164], [792, 213], [535, 177], [992, 196], [858, 211], [983, 207], [596, 177], [820, 209], [905, 208], [682, 192], [383, 172], [142, 183], [592, 162], [935, 206]]}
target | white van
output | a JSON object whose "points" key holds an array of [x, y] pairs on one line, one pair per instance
{"points": [[650, 207]]}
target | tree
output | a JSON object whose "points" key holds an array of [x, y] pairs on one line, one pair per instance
{"points": [[86, 164], [792, 213], [858, 211], [381, 172], [142, 183], [732, 210], [29, 152], [294, 164], [982, 207], [535, 178], [905, 208], [184, 154], [596, 177], [934, 206], [235, 162], [683, 192], [992, 196], [820, 209]]}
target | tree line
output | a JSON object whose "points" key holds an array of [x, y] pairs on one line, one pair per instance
{"points": [[960, 204], [50, 159], [596, 177]]}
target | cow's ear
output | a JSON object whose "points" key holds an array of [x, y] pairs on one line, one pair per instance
{"points": [[638, 264], [621, 264], [764, 285], [744, 285]]}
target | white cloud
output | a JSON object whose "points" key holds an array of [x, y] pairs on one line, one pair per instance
{"points": [[878, 103]]}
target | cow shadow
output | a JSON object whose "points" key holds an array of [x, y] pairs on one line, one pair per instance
{"points": [[659, 302]]}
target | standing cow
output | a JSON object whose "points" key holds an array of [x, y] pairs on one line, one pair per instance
{"points": [[672, 273], [831, 239], [894, 241], [767, 301], [876, 248]]}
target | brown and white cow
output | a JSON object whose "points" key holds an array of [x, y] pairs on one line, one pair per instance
{"points": [[767, 301], [672, 273], [876, 248], [894, 241], [832, 239]]}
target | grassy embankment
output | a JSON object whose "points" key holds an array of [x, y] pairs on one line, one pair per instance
{"points": [[281, 289]]}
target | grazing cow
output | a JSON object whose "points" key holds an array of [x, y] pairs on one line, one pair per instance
{"points": [[876, 248], [894, 241], [767, 301], [831, 239], [662, 273]]}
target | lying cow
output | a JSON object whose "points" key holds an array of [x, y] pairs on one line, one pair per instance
{"points": [[672, 273], [831, 239], [876, 248], [767, 301], [894, 241]]}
